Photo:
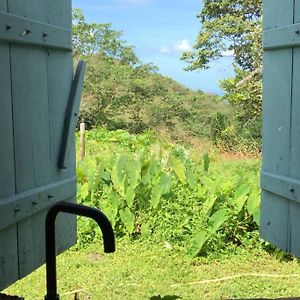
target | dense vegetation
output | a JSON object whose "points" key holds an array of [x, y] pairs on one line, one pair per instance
{"points": [[123, 93], [151, 188], [186, 226], [236, 26], [157, 190]]}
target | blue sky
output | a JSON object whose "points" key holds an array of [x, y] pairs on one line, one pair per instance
{"points": [[160, 30]]}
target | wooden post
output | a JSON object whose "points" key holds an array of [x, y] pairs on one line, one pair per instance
{"points": [[82, 140]]}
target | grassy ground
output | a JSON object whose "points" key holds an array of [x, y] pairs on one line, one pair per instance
{"points": [[152, 271]]}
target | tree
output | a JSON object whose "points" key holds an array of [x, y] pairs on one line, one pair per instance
{"points": [[92, 38], [112, 66], [234, 25], [228, 25], [122, 92]]}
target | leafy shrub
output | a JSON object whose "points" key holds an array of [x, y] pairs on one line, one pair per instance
{"points": [[151, 189]]}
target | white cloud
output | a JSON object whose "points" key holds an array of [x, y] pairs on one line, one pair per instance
{"points": [[165, 50], [227, 53], [183, 45], [180, 46]]}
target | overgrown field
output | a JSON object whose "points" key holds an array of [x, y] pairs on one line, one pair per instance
{"points": [[150, 189]]}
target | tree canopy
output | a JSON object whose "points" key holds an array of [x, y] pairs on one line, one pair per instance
{"points": [[228, 25], [122, 92], [236, 26]]}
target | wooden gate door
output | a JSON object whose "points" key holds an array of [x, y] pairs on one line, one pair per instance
{"points": [[280, 178], [36, 76]]}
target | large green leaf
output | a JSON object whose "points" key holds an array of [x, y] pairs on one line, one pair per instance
{"points": [[129, 196], [83, 190], [208, 205], [198, 242], [133, 170], [118, 174], [240, 197], [217, 220], [178, 167], [87, 168], [256, 216], [210, 185], [164, 183], [128, 218], [242, 190], [161, 186], [111, 207], [155, 196], [253, 202], [154, 166], [98, 176], [191, 179]]}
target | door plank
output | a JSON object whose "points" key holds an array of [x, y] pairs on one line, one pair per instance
{"points": [[278, 13], [297, 11], [54, 86], [8, 256], [31, 117], [59, 86], [32, 9], [8, 236], [276, 143]]}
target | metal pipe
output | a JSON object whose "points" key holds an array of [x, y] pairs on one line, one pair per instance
{"points": [[77, 209]]}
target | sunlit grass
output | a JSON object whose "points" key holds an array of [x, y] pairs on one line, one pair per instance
{"points": [[141, 270]]}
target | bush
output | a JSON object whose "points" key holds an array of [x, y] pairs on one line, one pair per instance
{"points": [[151, 189]]}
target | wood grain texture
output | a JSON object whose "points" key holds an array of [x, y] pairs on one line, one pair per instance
{"points": [[9, 270], [282, 37], [295, 120], [35, 97], [31, 117], [8, 236], [278, 13], [277, 119], [31, 32], [3, 5], [32, 9], [297, 11], [294, 207], [276, 110], [59, 87], [32, 241], [7, 174], [16, 207]]}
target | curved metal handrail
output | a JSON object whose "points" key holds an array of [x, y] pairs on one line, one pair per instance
{"points": [[77, 209]]}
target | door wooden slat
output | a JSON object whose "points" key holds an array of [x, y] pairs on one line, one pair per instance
{"points": [[278, 13], [35, 85], [8, 236], [59, 13], [280, 208]]}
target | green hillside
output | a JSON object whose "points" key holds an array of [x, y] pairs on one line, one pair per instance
{"points": [[123, 93]]}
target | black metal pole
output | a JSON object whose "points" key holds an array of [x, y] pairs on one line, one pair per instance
{"points": [[77, 209]]}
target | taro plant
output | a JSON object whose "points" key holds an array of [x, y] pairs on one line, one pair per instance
{"points": [[149, 188]]}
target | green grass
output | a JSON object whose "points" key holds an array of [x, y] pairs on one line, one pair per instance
{"points": [[141, 270]]}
